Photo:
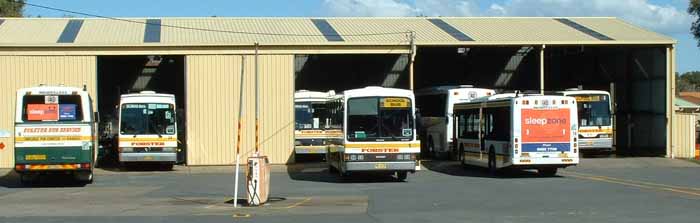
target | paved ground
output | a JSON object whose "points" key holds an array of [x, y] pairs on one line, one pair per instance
{"points": [[599, 190]]}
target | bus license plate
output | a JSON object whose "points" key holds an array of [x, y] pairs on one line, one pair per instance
{"points": [[380, 166], [148, 158], [35, 157]]}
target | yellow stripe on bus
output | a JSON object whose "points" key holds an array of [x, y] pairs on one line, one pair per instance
{"points": [[595, 130], [382, 145], [53, 138], [124, 139]]}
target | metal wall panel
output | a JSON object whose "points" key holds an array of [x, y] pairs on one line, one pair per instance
{"points": [[684, 135], [28, 71], [213, 91]]}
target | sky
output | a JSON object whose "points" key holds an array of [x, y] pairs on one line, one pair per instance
{"points": [[667, 17]]}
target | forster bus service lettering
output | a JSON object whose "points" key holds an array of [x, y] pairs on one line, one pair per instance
{"points": [[545, 130], [50, 130]]}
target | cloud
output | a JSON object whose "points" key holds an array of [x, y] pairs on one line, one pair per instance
{"points": [[666, 18], [447, 7], [663, 18]]}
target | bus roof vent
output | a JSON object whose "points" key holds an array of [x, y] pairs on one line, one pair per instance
{"points": [[147, 92], [466, 85], [331, 92]]}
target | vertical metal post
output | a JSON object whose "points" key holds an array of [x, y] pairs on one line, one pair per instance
{"points": [[542, 69], [670, 95], [412, 37], [257, 103], [241, 108]]}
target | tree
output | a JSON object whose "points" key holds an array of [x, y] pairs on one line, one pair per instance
{"points": [[11, 8], [694, 10], [689, 81]]}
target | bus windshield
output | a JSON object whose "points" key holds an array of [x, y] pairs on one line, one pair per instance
{"points": [[52, 108], [311, 115], [147, 118], [379, 119], [593, 110]]}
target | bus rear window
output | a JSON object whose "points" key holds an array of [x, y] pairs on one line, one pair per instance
{"points": [[52, 108]]}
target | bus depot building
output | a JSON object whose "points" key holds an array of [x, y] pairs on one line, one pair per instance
{"points": [[201, 61]]}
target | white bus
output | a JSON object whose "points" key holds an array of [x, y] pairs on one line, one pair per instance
{"points": [[594, 119], [314, 123], [518, 131], [379, 133], [55, 132], [147, 128], [435, 107]]}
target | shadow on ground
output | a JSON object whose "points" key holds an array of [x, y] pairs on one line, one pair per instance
{"points": [[111, 165], [318, 172], [454, 168], [11, 180]]}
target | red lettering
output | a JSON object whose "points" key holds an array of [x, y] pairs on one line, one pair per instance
{"points": [[381, 150]]}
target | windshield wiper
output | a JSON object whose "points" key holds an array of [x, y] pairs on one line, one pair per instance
{"points": [[151, 126]]}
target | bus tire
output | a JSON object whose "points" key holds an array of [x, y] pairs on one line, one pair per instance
{"points": [[344, 174], [86, 177], [431, 148], [401, 175], [26, 179], [332, 169], [168, 166], [547, 172], [492, 162]]}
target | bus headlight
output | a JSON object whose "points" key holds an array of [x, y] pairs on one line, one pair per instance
{"points": [[353, 157], [126, 149], [360, 157], [169, 149], [604, 136], [297, 143]]}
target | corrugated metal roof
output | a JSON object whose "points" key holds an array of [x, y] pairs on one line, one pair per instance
{"points": [[27, 32]]}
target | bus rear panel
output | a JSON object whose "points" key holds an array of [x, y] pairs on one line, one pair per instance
{"points": [[545, 131], [523, 132]]}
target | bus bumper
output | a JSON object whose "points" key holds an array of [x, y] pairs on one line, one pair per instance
{"points": [[310, 149], [527, 163], [380, 166], [595, 144], [63, 167], [147, 157]]}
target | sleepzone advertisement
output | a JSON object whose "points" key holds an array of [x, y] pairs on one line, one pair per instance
{"points": [[545, 130]]}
